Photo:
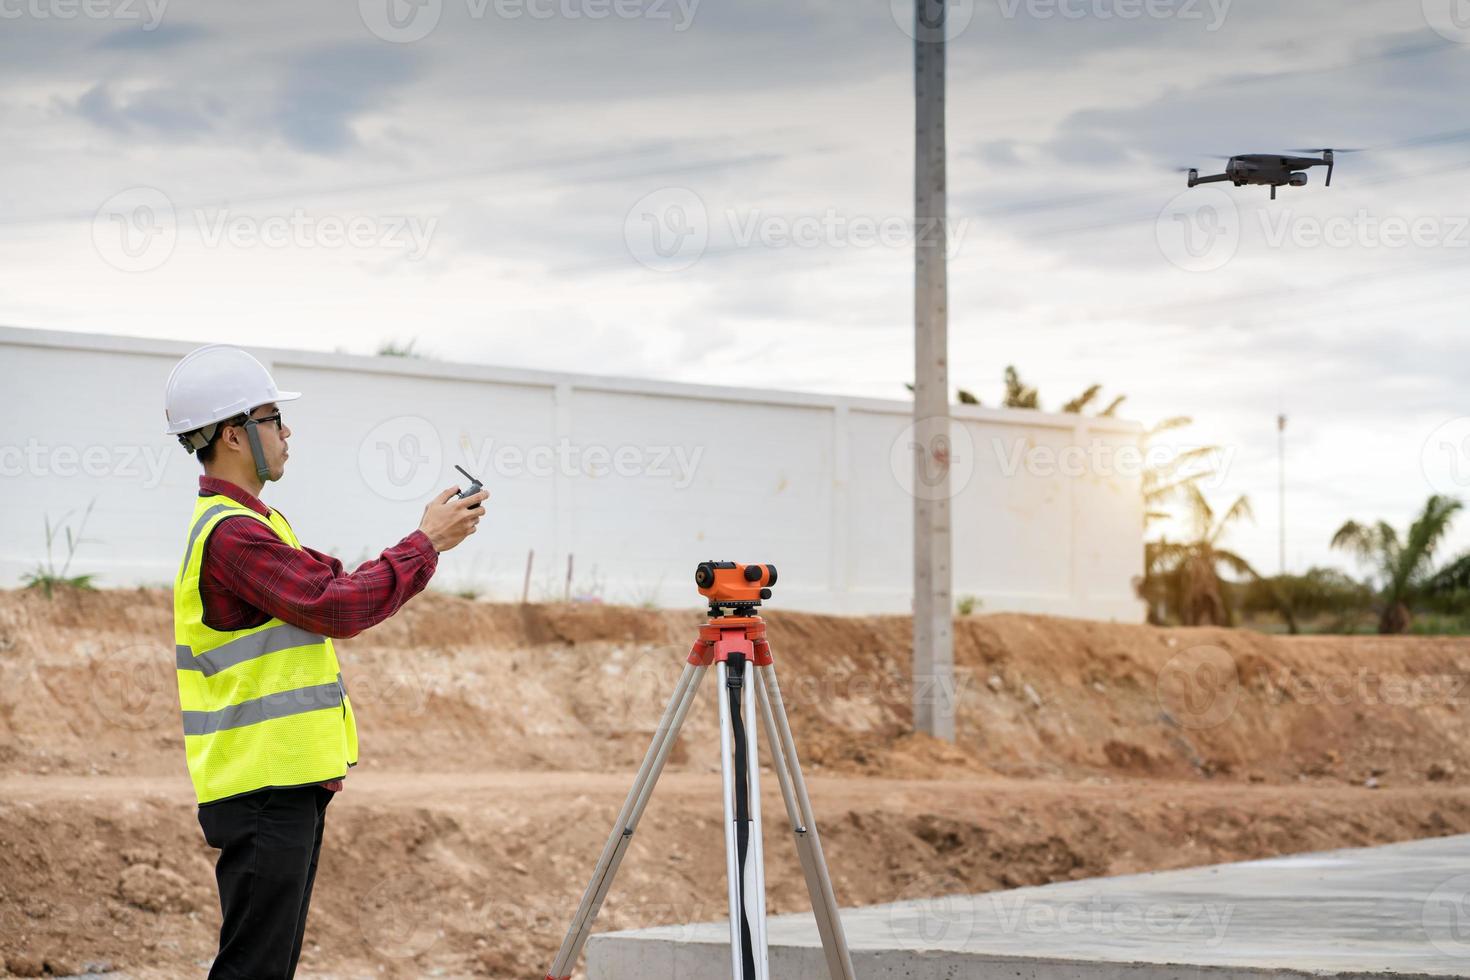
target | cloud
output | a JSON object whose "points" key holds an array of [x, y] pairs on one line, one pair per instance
{"points": [[165, 35], [327, 88], [162, 112]]}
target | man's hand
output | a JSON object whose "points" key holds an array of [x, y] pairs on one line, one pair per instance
{"points": [[449, 520]]}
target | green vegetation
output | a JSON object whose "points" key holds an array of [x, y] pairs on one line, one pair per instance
{"points": [[393, 348], [47, 577], [1404, 573]]}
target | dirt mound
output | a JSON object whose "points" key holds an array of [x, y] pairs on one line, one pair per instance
{"points": [[86, 686], [498, 742], [463, 875]]}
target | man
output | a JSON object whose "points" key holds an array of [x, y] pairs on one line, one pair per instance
{"points": [[269, 732]]}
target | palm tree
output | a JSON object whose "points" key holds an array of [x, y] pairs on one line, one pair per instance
{"points": [[1405, 568], [1018, 393], [1164, 482], [1185, 576], [1021, 395]]}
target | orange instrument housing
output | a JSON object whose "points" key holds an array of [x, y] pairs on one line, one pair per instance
{"points": [[729, 583]]}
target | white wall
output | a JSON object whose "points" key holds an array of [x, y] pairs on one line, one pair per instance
{"points": [[811, 483]]}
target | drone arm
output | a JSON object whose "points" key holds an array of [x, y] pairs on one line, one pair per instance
{"points": [[1215, 179]]}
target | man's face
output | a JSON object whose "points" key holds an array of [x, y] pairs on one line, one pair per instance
{"points": [[273, 436]]}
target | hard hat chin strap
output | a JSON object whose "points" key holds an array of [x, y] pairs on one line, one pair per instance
{"points": [[262, 469]]}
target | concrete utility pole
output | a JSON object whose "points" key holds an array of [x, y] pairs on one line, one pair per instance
{"points": [[1281, 484], [933, 624]]}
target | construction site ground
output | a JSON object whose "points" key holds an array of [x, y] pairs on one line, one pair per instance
{"points": [[498, 742]]}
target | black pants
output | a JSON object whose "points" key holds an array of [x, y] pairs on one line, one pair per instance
{"points": [[269, 843]]}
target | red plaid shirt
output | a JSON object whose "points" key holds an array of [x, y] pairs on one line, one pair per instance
{"points": [[250, 575]]}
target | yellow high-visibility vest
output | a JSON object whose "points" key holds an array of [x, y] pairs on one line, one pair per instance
{"points": [[262, 707]]}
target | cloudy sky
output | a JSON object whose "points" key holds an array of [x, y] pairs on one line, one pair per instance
{"points": [[720, 191]]}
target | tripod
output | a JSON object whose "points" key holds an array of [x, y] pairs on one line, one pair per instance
{"points": [[737, 648]]}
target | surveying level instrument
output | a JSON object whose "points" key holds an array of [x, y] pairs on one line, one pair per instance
{"points": [[733, 641]]}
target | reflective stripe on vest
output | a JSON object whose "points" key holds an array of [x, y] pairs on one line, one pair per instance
{"points": [[260, 709], [248, 647], [263, 706]]}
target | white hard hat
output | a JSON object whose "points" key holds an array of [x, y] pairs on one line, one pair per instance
{"points": [[215, 383]]}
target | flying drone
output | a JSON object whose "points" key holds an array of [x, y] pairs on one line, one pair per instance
{"points": [[1270, 169]]}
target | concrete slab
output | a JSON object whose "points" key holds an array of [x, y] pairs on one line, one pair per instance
{"points": [[1400, 910]]}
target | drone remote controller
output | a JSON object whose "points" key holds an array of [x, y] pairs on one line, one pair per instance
{"points": [[474, 487]]}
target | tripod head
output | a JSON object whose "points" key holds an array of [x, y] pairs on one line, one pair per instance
{"points": [[731, 585]]}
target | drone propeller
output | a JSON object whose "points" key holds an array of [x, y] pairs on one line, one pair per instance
{"points": [[1330, 154]]}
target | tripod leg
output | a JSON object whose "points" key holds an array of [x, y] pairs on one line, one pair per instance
{"points": [[755, 878], [804, 824], [731, 779], [632, 811]]}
